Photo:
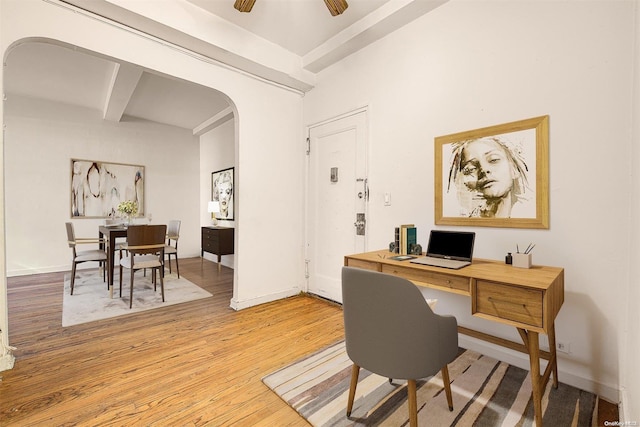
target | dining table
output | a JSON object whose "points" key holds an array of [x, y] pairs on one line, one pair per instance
{"points": [[110, 233]]}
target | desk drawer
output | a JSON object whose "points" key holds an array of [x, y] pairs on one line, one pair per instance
{"points": [[209, 246], [431, 278], [365, 265], [508, 302]]}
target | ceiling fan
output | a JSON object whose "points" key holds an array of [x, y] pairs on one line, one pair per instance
{"points": [[336, 7]]}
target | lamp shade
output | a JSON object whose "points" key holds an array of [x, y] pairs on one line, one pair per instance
{"points": [[213, 207]]}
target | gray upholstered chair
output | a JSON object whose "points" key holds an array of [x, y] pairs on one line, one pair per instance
{"points": [[391, 331], [173, 234], [145, 247], [90, 255]]}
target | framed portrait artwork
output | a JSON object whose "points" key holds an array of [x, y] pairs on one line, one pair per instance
{"points": [[496, 176], [222, 192], [98, 187]]}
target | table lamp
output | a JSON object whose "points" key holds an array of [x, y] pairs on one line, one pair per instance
{"points": [[213, 207]]}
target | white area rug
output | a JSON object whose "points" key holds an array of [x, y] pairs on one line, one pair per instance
{"points": [[90, 300]]}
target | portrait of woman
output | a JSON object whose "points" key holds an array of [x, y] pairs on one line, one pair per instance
{"points": [[490, 178], [222, 192], [496, 176]]}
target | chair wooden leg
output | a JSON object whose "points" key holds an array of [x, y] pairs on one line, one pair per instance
{"points": [[73, 276], [447, 386], [413, 403], [162, 285], [131, 292], [177, 266], [120, 281], [355, 372]]}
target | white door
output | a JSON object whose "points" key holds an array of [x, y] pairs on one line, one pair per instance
{"points": [[337, 195]]}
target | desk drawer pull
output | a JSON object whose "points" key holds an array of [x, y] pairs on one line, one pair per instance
{"points": [[502, 301]]}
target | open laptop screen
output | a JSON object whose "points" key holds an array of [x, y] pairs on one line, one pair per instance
{"points": [[451, 244]]}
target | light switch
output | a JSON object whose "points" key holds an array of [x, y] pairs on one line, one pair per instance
{"points": [[387, 199]]}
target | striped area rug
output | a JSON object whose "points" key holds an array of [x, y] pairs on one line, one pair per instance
{"points": [[486, 392]]}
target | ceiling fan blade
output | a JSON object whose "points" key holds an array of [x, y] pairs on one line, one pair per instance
{"points": [[244, 5], [336, 7]]}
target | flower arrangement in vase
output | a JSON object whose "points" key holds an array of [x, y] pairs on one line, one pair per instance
{"points": [[128, 208]]}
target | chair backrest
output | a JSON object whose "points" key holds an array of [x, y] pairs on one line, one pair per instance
{"points": [[146, 239], [390, 329], [71, 237], [173, 230]]}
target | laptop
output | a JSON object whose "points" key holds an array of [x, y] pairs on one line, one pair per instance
{"points": [[448, 249]]}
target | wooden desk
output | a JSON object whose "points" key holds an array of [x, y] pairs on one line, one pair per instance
{"points": [[112, 234], [528, 299]]}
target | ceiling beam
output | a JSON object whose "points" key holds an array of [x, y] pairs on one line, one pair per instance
{"points": [[213, 122], [124, 80], [379, 23], [185, 25]]}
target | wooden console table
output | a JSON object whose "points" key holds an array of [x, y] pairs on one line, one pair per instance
{"points": [[217, 240], [528, 299]]}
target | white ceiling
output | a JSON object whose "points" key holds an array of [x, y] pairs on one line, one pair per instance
{"points": [[292, 40], [302, 25]]}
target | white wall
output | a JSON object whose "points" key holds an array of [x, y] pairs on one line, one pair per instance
{"points": [[268, 116], [472, 64], [630, 339], [41, 138], [217, 152]]}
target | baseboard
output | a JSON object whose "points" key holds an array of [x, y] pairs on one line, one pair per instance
{"points": [[242, 304], [6, 362], [623, 407], [52, 269], [521, 360]]}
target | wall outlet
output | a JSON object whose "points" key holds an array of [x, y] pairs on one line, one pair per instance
{"points": [[563, 347]]}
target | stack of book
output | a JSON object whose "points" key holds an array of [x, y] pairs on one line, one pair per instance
{"points": [[405, 237]]}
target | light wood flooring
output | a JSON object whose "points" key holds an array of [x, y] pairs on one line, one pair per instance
{"points": [[197, 363]]}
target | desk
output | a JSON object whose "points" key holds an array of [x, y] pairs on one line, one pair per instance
{"points": [[112, 234], [528, 299]]}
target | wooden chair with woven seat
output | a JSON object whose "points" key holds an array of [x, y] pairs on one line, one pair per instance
{"points": [[145, 246], [90, 255], [173, 234], [391, 331]]}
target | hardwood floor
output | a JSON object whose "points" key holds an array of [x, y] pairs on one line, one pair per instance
{"points": [[197, 363]]}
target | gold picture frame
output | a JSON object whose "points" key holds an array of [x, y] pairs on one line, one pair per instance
{"points": [[496, 176]]}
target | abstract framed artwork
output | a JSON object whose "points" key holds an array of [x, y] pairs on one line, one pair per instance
{"points": [[496, 176], [222, 189], [98, 187]]}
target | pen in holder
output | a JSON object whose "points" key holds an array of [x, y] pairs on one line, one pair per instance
{"points": [[522, 260]]}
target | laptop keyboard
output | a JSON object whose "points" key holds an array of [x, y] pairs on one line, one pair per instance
{"points": [[440, 262]]}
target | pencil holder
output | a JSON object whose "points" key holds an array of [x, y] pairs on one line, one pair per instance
{"points": [[522, 260]]}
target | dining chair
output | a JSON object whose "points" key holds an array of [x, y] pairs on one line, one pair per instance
{"points": [[90, 255], [390, 330], [145, 248], [173, 234]]}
